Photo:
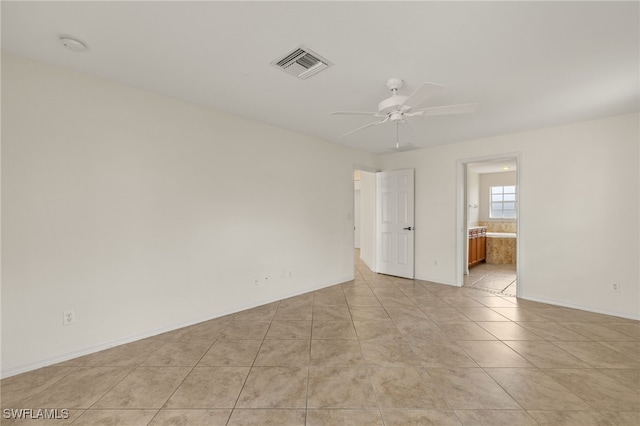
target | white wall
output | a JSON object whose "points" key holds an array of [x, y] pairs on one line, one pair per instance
{"points": [[473, 197], [367, 219], [579, 210], [487, 180], [143, 213]]}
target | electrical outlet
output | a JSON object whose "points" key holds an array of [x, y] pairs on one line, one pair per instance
{"points": [[265, 279], [615, 287], [256, 281], [68, 317]]}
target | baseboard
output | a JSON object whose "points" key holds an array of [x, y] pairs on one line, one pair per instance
{"points": [[580, 307], [45, 362]]}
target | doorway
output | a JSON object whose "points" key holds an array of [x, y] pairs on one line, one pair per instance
{"points": [[488, 224], [364, 206]]}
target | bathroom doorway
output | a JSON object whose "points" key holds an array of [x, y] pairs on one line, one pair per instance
{"points": [[489, 225]]}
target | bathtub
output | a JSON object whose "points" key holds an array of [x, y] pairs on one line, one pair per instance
{"points": [[501, 235], [501, 248]]}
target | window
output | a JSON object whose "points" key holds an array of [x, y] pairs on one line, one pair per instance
{"points": [[503, 202]]}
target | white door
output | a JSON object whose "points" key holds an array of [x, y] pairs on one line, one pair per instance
{"points": [[394, 236]]}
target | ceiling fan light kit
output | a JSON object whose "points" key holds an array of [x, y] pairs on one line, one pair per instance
{"points": [[397, 108]]}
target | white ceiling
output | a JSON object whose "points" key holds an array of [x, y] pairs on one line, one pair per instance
{"points": [[529, 65]]}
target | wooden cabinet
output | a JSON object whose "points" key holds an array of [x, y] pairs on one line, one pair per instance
{"points": [[477, 246]]}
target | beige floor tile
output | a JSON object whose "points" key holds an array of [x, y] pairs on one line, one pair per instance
{"points": [[208, 330], [405, 313], [274, 387], [80, 389], [463, 301], [627, 377], [441, 354], [271, 417], [333, 330], [493, 354], [362, 300], [495, 418], [260, 313], [331, 313], [430, 301], [246, 330], [377, 330], [494, 302], [344, 417], [508, 331], [419, 418], [340, 387], [598, 355], [283, 353], [471, 388], [630, 329], [534, 390], [600, 391], [631, 349], [158, 384], [421, 330], [597, 332], [544, 354], [289, 330], [481, 314], [337, 353], [466, 331], [128, 355], [116, 417], [405, 387], [444, 314], [572, 418], [396, 301], [177, 353], [623, 417], [518, 314], [368, 313], [298, 311], [231, 353], [552, 331], [18, 388], [191, 417], [388, 353], [209, 387]]}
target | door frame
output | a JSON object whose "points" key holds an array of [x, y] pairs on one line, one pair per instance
{"points": [[462, 239], [372, 170]]}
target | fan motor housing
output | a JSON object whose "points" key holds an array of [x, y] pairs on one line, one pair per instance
{"points": [[392, 104]]}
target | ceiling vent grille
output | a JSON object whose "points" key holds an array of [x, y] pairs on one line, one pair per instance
{"points": [[302, 62]]}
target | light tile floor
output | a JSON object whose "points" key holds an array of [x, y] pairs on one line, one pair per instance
{"points": [[377, 350], [498, 279]]}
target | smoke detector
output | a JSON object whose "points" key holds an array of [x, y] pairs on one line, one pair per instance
{"points": [[73, 44], [302, 62]]}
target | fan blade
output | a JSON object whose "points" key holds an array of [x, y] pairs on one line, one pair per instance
{"points": [[420, 94], [444, 110], [375, 123], [353, 113]]}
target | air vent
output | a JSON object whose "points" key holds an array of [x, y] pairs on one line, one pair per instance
{"points": [[302, 62]]}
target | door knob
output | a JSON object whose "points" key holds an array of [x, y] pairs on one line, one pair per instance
{"points": [[407, 228]]}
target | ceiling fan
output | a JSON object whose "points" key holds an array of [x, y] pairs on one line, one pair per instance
{"points": [[397, 108]]}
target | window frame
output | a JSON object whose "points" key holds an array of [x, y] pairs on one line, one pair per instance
{"points": [[502, 202]]}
